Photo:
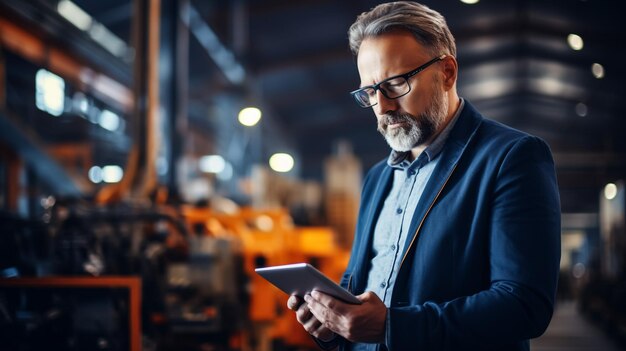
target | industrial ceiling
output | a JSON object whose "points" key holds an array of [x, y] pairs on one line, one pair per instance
{"points": [[515, 65]]}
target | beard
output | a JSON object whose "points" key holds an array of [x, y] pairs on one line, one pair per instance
{"points": [[415, 130]]}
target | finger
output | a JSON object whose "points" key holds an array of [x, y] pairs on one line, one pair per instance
{"points": [[365, 296], [312, 326], [327, 325], [294, 302], [369, 296], [322, 332], [303, 313], [319, 331], [328, 301], [325, 334], [319, 311]]}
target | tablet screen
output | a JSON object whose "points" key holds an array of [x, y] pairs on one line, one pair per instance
{"points": [[302, 278]]}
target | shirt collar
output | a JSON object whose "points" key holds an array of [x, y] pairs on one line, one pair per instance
{"points": [[399, 159]]}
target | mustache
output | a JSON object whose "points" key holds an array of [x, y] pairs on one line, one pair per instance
{"points": [[393, 118]]}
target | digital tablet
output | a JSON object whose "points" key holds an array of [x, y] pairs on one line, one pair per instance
{"points": [[302, 278]]}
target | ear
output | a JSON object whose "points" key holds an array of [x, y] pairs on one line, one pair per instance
{"points": [[450, 70]]}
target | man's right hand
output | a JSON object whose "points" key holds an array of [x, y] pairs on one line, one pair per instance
{"points": [[308, 321]]}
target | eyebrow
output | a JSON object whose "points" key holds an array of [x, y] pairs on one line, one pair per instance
{"points": [[382, 80], [433, 60]]}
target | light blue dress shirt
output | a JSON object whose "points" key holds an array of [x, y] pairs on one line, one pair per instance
{"points": [[391, 231]]}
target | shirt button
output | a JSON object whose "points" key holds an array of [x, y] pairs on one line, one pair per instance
{"points": [[399, 211], [393, 247], [383, 284]]}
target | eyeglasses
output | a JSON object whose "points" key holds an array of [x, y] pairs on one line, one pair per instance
{"points": [[392, 87]]}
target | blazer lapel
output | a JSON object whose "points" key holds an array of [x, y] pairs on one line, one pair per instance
{"points": [[459, 137]]}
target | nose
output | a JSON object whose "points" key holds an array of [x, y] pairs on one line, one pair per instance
{"points": [[385, 105]]}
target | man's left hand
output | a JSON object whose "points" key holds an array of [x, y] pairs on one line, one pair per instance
{"points": [[356, 323]]}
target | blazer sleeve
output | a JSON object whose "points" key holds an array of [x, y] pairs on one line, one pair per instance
{"points": [[524, 255]]}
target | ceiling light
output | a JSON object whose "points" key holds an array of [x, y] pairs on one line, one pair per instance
{"points": [[575, 41], [212, 164], [281, 162], [80, 103], [470, 2], [74, 14], [112, 174], [111, 42], [597, 70], [249, 116], [95, 174], [610, 191], [109, 120], [49, 92]]}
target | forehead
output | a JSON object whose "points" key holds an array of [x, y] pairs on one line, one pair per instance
{"points": [[390, 53]]}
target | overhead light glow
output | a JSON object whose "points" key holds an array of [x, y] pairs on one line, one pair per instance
{"points": [[109, 120], [49, 92], [93, 114], [98, 32], [80, 103], [610, 191], [597, 70], [249, 116], [212, 164], [71, 12], [108, 40], [281, 162], [95, 174], [575, 42], [581, 109], [264, 223], [112, 174], [470, 2]]}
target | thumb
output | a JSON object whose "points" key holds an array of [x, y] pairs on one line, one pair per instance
{"points": [[368, 296]]}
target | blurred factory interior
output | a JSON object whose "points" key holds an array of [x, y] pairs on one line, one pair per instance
{"points": [[154, 152]]}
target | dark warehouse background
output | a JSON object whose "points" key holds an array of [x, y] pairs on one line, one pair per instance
{"points": [[130, 190]]}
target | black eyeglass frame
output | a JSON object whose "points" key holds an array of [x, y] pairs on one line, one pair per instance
{"points": [[405, 76]]}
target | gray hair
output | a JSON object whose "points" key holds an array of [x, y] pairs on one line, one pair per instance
{"points": [[427, 26]]}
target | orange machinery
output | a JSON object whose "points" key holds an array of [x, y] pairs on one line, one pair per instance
{"points": [[267, 238]]}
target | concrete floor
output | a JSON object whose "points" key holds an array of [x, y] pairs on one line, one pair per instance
{"points": [[569, 331]]}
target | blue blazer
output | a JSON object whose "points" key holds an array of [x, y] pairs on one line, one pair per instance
{"points": [[480, 271]]}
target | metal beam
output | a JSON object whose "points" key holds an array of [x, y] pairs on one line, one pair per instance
{"points": [[17, 138], [173, 79], [222, 56]]}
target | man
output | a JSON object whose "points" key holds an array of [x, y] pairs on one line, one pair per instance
{"points": [[458, 238]]}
